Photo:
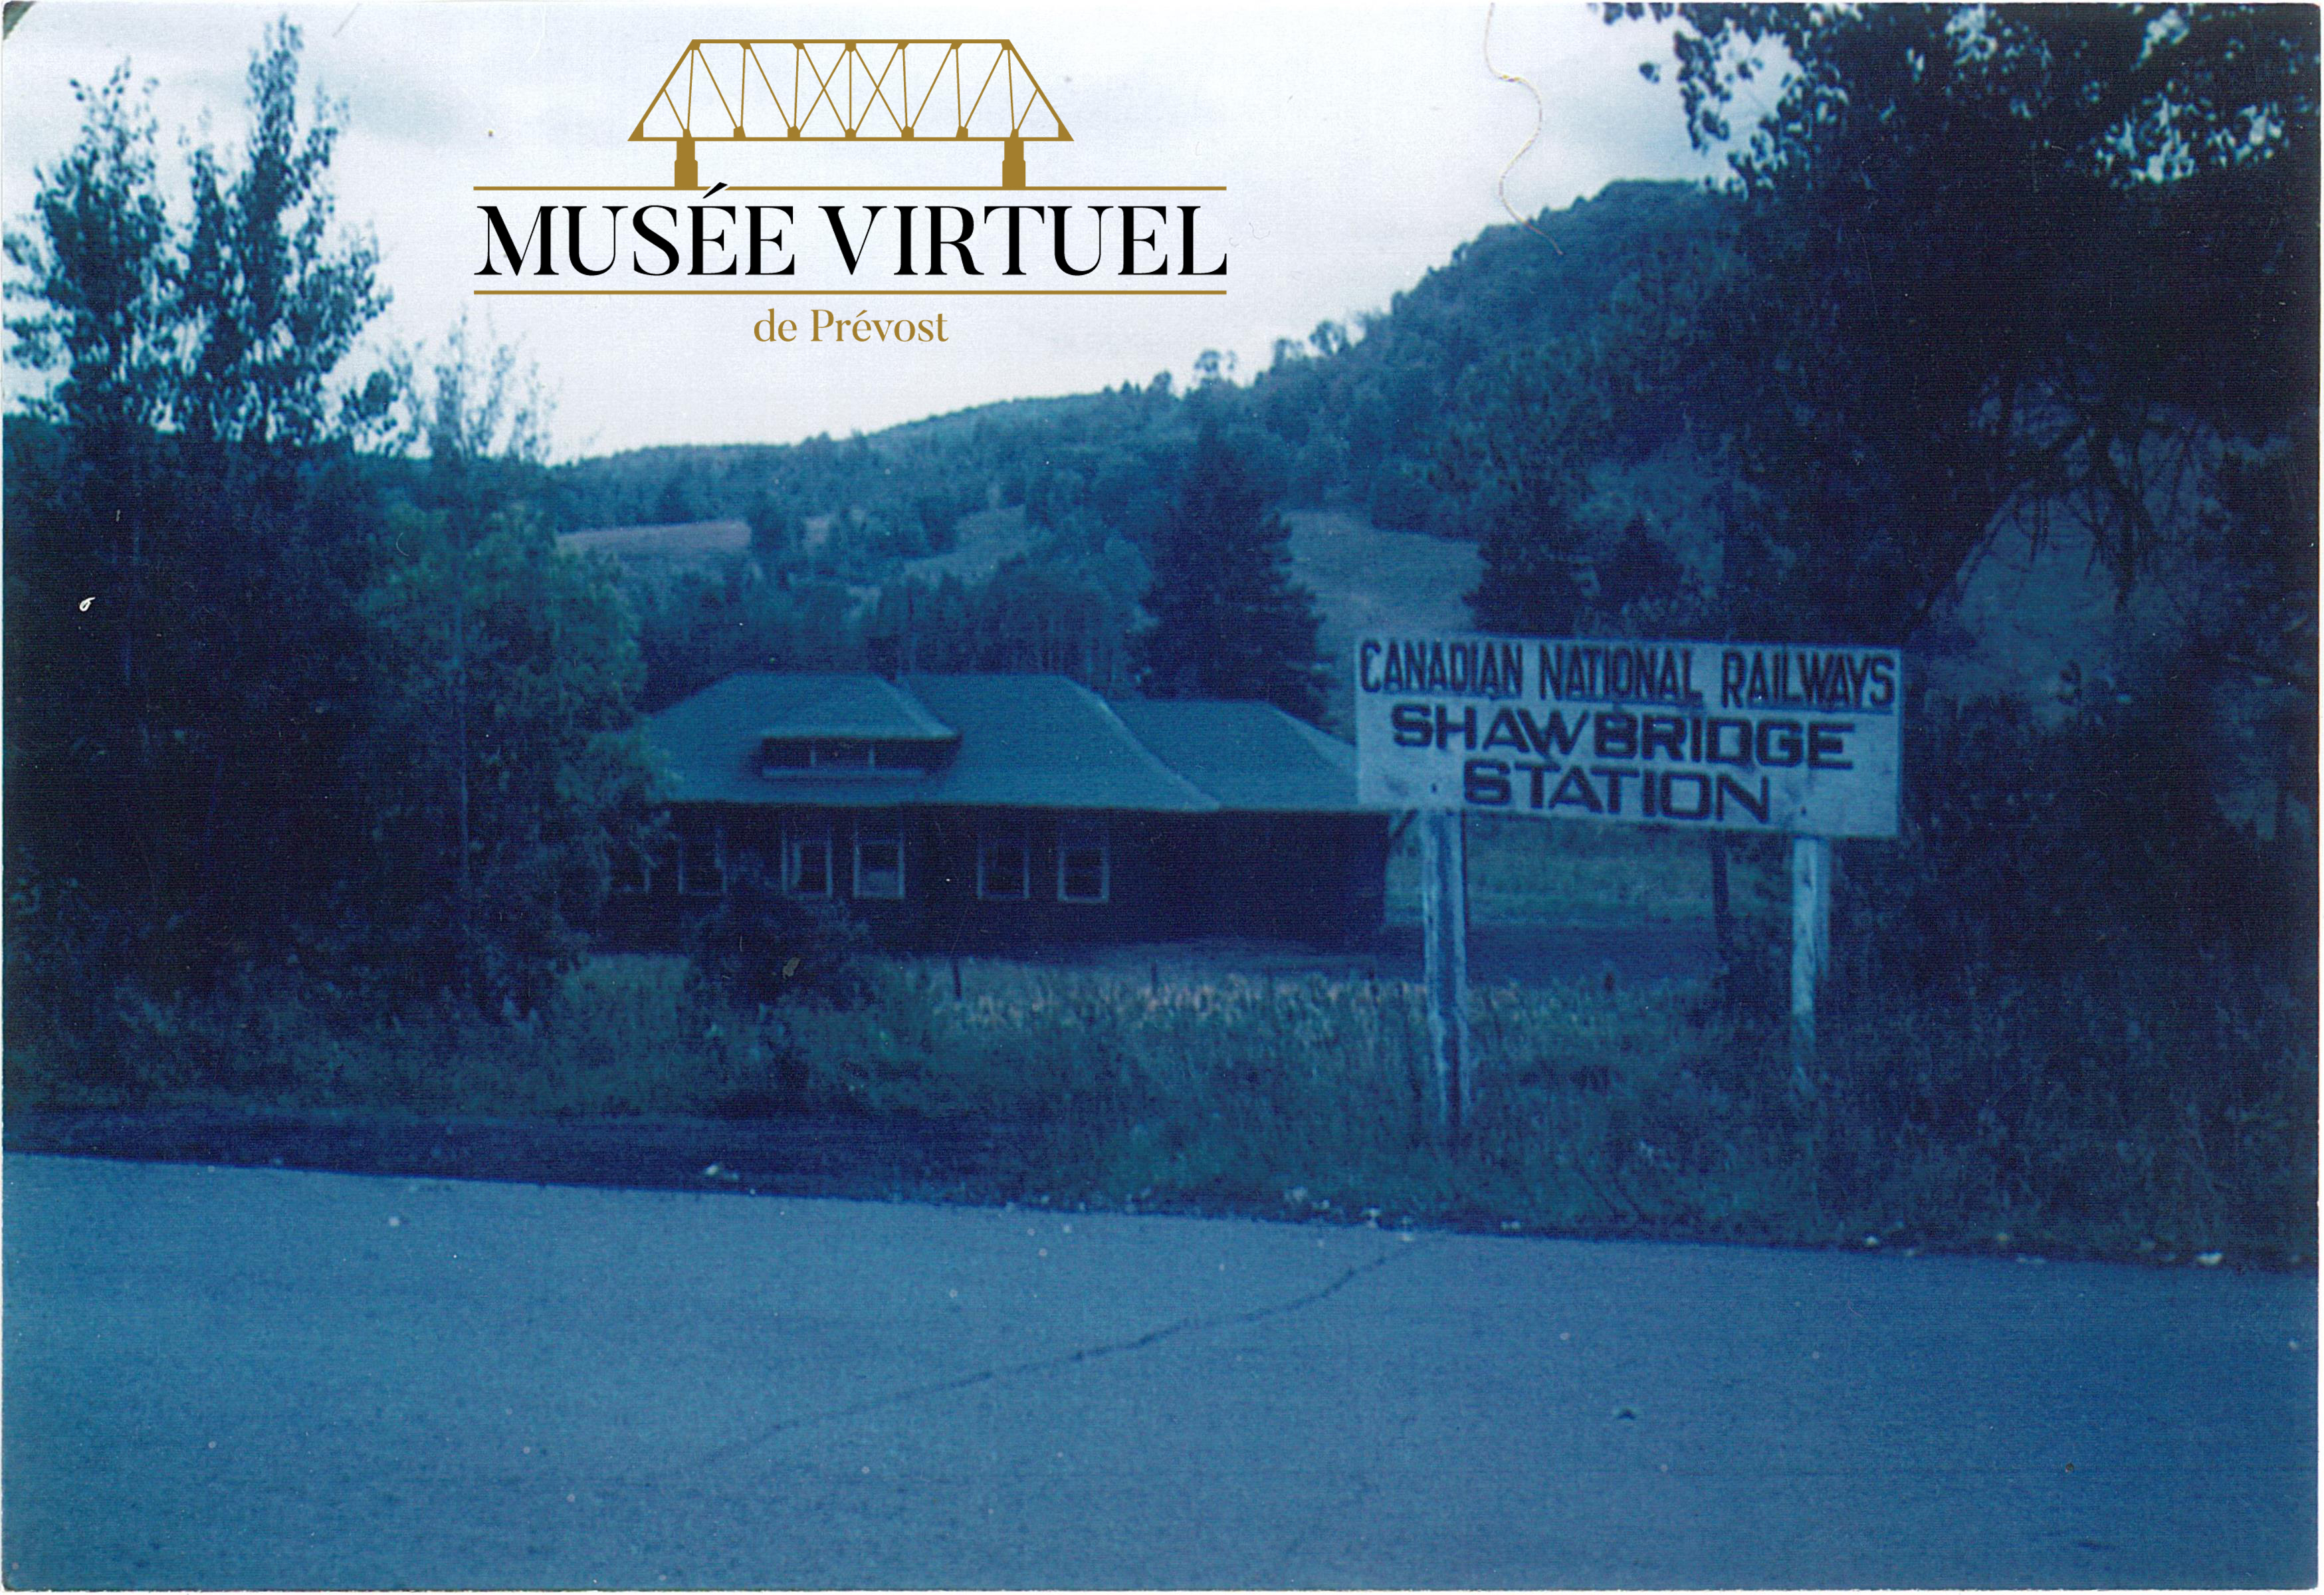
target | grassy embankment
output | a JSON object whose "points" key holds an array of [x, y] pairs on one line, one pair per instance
{"points": [[2027, 1126]]}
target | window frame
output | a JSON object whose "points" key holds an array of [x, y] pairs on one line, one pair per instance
{"points": [[1068, 839], [1021, 837], [890, 830], [800, 835]]}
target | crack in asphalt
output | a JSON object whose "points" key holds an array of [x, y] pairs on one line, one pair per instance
{"points": [[1060, 1360]]}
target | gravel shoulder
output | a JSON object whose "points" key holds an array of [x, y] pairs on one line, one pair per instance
{"points": [[803, 1155]]}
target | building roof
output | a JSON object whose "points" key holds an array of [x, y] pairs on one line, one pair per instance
{"points": [[1250, 757], [1023, 741], [832, 705], [710, 744], [1045, 742]]}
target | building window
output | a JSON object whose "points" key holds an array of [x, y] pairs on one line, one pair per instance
{"points": [[1004, 863], [1085, 861], [878, 859], [806, 858], [702, 864]]}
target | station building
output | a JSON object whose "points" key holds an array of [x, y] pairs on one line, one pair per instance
{"points": [[979, 812]]}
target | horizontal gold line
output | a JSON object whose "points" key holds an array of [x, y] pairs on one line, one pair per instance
{"points": [[861, 292], [853, 189]]}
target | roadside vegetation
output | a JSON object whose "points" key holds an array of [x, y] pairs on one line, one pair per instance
{"points": [[2042, 1111]]}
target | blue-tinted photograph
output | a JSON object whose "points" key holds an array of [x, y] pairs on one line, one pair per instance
{"points": [[1222, 796]]}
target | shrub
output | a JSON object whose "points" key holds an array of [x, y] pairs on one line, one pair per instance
{"points": [[2071, 994], [759, 945]]}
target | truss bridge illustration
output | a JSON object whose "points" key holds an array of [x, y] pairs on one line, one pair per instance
{"points": [[833, 90]]}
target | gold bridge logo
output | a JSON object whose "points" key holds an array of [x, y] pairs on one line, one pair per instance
{"points": [[780, 232], [745, 92]]}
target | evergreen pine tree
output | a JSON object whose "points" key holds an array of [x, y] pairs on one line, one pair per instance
{"points": [[1228, 621]]}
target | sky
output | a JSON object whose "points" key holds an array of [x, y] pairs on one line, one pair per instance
{"points": [[1358, 146]]}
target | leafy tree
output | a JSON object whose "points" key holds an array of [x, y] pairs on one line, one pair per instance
{"points": [[701, 625], [1639, 571], [270, 544], [1228, 622], [1997, 260], [188, 571], [274, 299], [503, 755], [250, 710], [677, 503], [774, 530], [1067, 608], [1523, 464], [500, 755], [99, 265], [2053, 268], [99, 271]]}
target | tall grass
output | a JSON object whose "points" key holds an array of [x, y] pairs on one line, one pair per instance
{"points": [[1646, 1110], [1526, 871], [1593, 1111]]}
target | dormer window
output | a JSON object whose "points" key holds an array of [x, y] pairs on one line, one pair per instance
{"points": [[829, 757]]}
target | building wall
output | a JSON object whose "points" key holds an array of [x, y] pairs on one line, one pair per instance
{"points": [[1297, 877], [1310, 878]]}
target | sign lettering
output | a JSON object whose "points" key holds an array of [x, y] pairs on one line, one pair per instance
{"points": [[1742, 736]]}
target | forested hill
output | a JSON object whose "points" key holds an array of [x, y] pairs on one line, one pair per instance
{"points": [[1351, 416], [1366, 420]]}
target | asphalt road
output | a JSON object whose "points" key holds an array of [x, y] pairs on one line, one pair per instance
{"points": [[256, 1378]]}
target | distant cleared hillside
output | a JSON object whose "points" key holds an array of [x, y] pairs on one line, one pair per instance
{"points": [[1352, 417], [1367, 578]]}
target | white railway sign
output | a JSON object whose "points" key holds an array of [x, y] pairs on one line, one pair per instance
{"points": [[1732, 735]]}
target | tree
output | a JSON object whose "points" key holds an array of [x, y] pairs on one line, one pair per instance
{"points": [[2050, 267], [177, 742], [774, 530], [501, 757], [100, 270], [272, 297], [1228, 622], [272, 542], [1537, 425], [1639, 571], [1998, 260], [99, 266], [1522, 462]]}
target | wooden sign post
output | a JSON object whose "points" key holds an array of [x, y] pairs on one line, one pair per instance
{"points": [[1811, 949], [1444, 952]]}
